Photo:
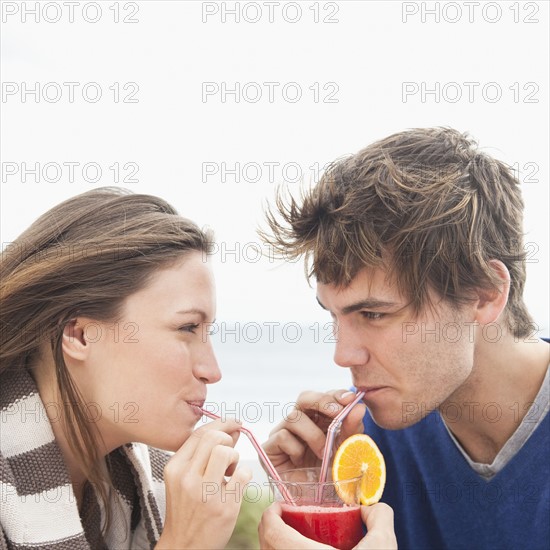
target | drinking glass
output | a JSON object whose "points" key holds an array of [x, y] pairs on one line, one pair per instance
{"points": [[318, 512]]}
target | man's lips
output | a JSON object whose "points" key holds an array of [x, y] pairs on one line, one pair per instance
{"points": [[369, 389]]}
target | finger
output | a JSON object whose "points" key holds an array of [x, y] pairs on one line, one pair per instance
{"points": [[310, 419], [344, 397], [377, 516], [220, 458], [380, 530], [271, 526], [285, 443], [230, 470], [239, 481], [276, 509], [265, 528], [353, 423], [323, 408], [198, 464], [323, 403], [307, 431], [274, 533], [271, 518], [229, 426]]}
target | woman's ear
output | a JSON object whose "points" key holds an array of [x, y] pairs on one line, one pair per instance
{"points": [[74, 342], [491, 302]]}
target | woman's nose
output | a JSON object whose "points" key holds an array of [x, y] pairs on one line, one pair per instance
{"points": [[206, 366]]}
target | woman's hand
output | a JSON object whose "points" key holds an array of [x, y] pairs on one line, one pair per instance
{"points": [[299, 440], [276, 535], [201, 505]]}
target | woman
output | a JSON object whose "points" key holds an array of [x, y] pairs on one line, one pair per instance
{"points": [[105, 359]]}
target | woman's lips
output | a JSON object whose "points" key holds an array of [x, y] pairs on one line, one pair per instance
{"points": [[196, 406]]}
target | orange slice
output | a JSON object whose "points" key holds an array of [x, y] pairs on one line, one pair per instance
{"points": [[358, 456]]}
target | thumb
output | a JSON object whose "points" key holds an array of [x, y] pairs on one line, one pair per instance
{"points": [[344, 396], [274, 533], [380, 532], [353, 423]]}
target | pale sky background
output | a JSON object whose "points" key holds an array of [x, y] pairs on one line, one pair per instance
{"points": [[170, 132], [363, 59]]}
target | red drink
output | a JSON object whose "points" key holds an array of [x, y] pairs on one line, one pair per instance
{"points": [[340, 527]]}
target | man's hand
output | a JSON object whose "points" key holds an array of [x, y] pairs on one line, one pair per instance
{"points": [[299, 440], [380, 532], [276, 535]]}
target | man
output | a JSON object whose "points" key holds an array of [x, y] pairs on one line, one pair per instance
{"points": [[416, 246]]}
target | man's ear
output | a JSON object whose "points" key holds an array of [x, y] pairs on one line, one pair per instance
{"points": [[491, 302], [74, 342]]}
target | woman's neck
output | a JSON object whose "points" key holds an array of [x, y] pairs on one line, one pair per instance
{"points": [[44, 377]]}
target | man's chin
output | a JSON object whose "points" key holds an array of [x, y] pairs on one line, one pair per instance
{"points": [[389, 420]]}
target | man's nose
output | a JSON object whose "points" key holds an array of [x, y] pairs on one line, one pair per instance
{"points": [[350, 350]]}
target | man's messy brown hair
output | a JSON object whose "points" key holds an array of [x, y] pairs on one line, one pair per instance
{"points": [[424, 204]]}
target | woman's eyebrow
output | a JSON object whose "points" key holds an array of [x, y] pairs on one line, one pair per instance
{"points": [[192, 310]]}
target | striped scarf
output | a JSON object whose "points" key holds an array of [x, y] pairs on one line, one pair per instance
{"points": [[38, 508]]}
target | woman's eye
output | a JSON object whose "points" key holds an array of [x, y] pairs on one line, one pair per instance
{"points": [[189, 328], [372, 315]]}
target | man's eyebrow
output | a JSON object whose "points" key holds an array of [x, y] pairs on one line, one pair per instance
{"points": [[369, 303], [319, 302]]}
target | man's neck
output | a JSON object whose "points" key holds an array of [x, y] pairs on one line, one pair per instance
{"points": [[488, 408]]}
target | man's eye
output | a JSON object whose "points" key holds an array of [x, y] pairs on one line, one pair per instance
{"points": [[372, 315], [189, 328]]}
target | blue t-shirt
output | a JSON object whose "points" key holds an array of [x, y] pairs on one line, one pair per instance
{"points": [[440, 502]]}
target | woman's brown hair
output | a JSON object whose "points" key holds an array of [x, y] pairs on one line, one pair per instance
{"points": [[426, 205], [84, 257]]}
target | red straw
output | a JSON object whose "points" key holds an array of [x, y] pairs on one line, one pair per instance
{"points": [[331, 434], [263, 457]]}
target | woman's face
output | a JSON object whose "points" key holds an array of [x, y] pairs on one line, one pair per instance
{"points": [[145, 375]]}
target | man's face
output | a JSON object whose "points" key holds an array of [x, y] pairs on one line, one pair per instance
{"points": [[408, 365]]}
